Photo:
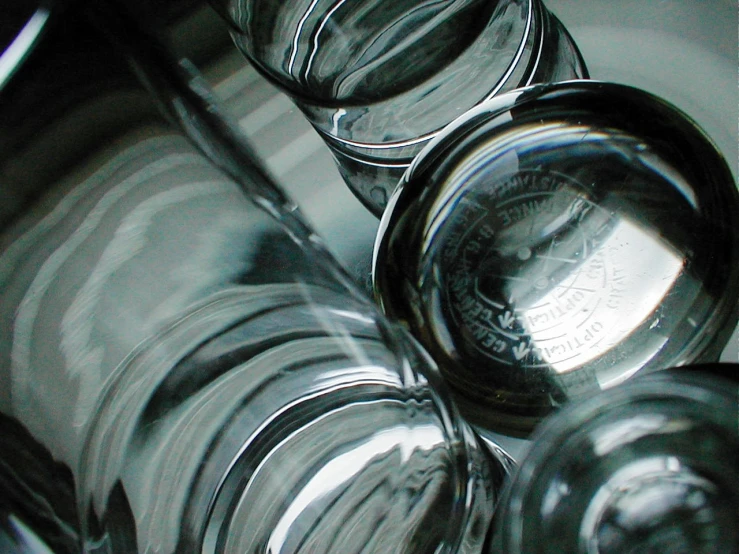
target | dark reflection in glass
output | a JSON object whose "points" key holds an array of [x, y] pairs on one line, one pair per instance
{"points": [[37, 496], [180, 348], [378, 79], [559, 240], [647, 467]]}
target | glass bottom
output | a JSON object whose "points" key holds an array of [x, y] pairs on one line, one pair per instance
{"points": [[373, 170]]}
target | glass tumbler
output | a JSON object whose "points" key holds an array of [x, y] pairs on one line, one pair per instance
{"points": [[652, 466], [183, 366], [378, 79], [558, 240]]}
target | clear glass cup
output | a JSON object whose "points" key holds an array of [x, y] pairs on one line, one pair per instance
{"points": [[378, 79], [183, 366], [647, 467], [557, 240]]}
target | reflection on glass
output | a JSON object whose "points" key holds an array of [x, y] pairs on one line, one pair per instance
{"points": [[184, 368], [646, 467], [378, 79], [17, 538], [545, 248], [583, 316]]}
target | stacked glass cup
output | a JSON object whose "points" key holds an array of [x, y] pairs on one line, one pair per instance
{"points": [[550, 243]]}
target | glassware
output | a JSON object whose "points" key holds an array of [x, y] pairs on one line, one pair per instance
{"points": [[378, 79], [184, 367], [558, 240], [647, 467]]}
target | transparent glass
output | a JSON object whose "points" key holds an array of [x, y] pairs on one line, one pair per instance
{"points": [[558, 240], [647, 467], [183, 366], [378, 79]]}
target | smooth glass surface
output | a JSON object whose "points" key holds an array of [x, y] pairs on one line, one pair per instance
{"points": [[184, 367], [647, 467], [669, 48], [378, 79], [547, 246]]}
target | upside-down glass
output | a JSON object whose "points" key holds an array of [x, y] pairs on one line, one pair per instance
{"points": [[652, 466], [378, 79], [184, 367], [558, 240]]}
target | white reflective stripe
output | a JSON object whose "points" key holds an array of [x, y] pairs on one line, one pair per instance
{"points": [[265, 114], [13, 56], [238, 82], [294, 152]]}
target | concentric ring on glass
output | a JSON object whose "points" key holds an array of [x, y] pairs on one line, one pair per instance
{"points": [[379, 79], [647, 467], [557, 240], [176, 341]]}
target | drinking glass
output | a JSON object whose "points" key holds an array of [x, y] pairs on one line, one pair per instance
{"points": [[647, 467], [556, 241], [184, 367], [378, 79]]}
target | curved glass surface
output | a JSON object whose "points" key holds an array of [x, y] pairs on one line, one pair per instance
{"points": [[184, 366], [547, 247], [379, 79], [647, 467]]}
